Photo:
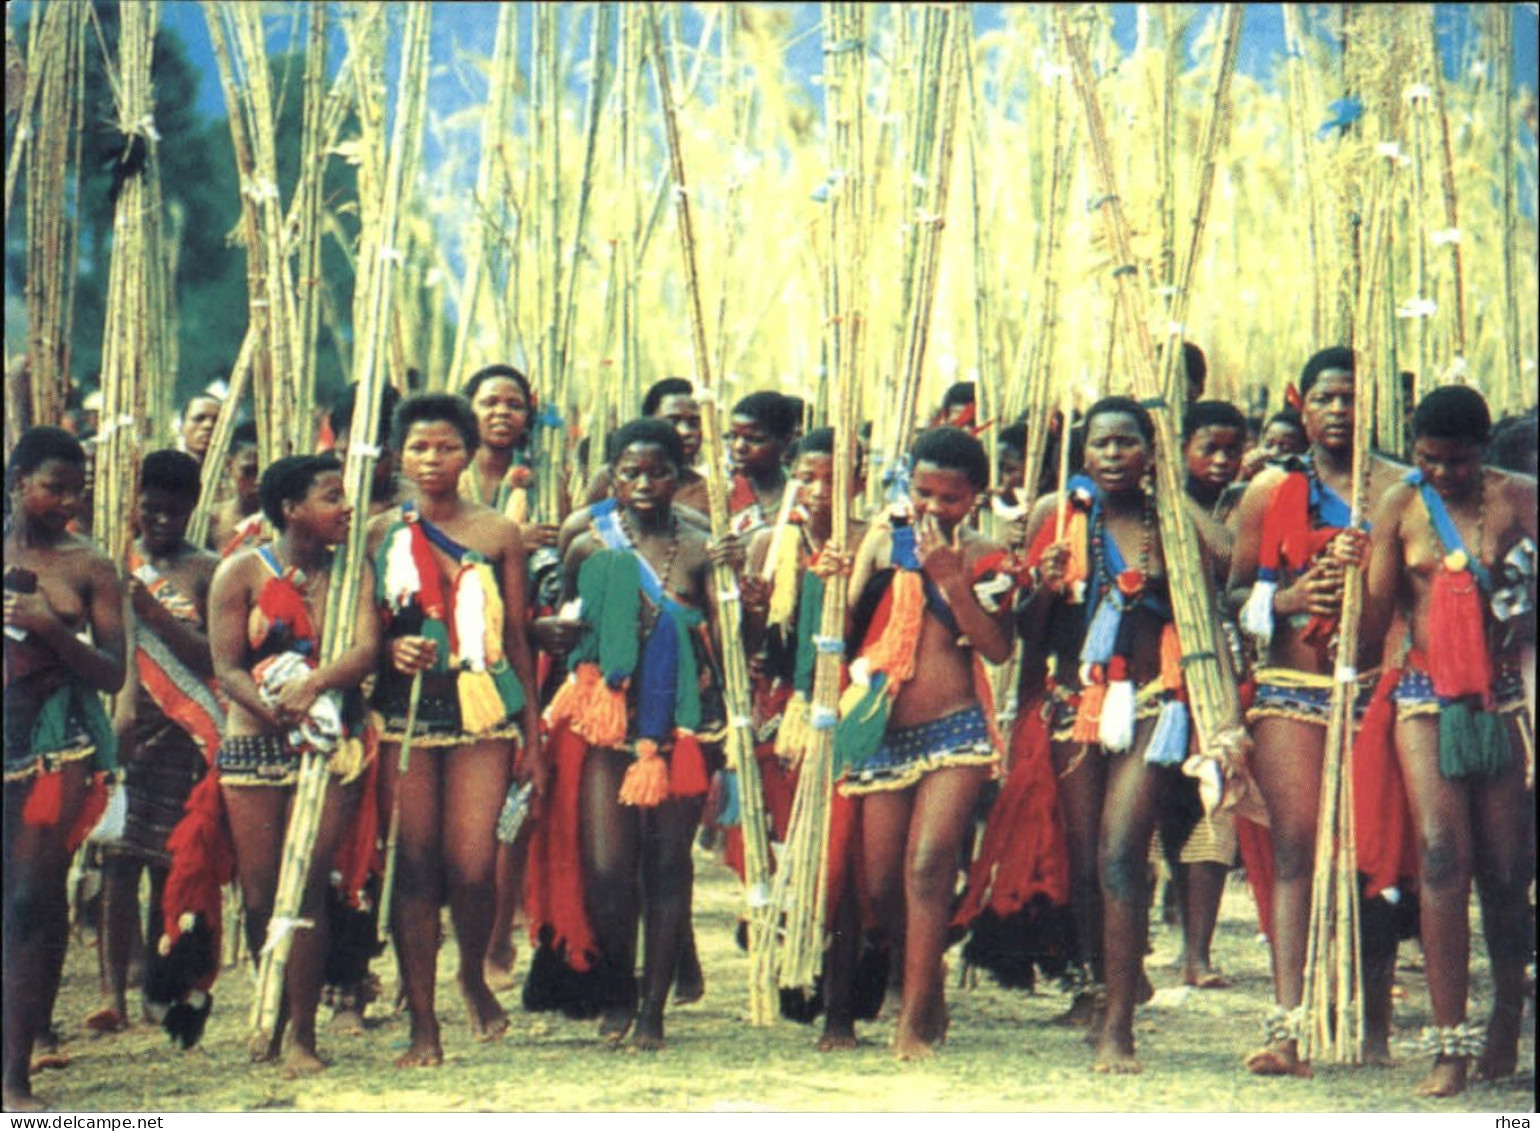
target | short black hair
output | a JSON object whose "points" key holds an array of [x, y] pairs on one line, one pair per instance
{"points": [[1333, 357], [647, 430], [39, 445], [174, 472], [775, 411], [959, 392], [341, 416], [1127, 406], [1014, 436], [1196, 364], [289, 479], [1211, 414], [1453, 412], [668, 387], [244, 436], [818, 442], [956, 449], [423, 408], [1288, 418], [488, 372]]}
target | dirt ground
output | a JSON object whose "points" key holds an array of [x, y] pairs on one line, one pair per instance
{"points": [[1003, 1053]]}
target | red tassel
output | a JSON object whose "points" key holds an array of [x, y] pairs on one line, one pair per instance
{"points": [[90, 812], [1257, 857], [281, 601], [430, 579], [688, 778], [553, 885], [45, 800], [1460, 665], [202, 860], [1088, 713]]}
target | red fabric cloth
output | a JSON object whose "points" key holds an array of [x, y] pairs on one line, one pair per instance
{"points": [[359, 855], [687, 768], [1256, 846], [91, 811], [1461, 665], [1289, 543], [553, 887], [1382, 816], [778, 786], [1023, 853]]}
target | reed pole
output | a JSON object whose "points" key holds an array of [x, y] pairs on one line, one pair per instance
{"points": [[1451, 236], [219, 442], [307, 207], [344, 591], [1511, 387], [1212, 694], [740, 737]]}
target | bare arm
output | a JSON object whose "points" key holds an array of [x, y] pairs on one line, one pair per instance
{"points": [[949, 565], [1246, 523], [348, 670], [1214, 541], [514, 582], [102, 665], [228, 610]]}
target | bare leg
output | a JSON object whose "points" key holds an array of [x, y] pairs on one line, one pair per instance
{"points": [[839, 971], [120, 910], [1204, 889], [1082, 778], [1441, 813], [690, 980], [1505, 864], [502, 954], [307, 955], [1287, 766], [668, 880], [611, 845], [419, 891], [36, 927], [258, 815], [1128, 823], [475, 779], [942, 816]]}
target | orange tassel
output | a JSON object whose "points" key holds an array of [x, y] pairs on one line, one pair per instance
{"points": [[593, 709], [646, 781], [893, 651], [1088, 714], [688, 778], [1170, 659], [1078, 569]]}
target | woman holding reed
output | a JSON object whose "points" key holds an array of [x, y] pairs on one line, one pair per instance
{"points": [[58, 588], [1292, 544], [459, 673], [267, 614], [1100, 602]]}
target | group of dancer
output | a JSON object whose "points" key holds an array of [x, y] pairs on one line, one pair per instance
{"points": [[559, 641]]}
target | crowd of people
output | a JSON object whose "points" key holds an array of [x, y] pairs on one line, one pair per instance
{"points": [[554, 647]]}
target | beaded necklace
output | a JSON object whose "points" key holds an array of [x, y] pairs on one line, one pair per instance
{"points": [[666, 574], [1131, 582]]}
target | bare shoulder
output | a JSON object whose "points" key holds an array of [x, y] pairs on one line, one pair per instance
{"points": [[238, 570], [379, 525], [1519, 492], [978, 546]]}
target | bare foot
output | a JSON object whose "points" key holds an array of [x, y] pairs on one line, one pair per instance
{"points": [[1446, 1079], [425, 1051], [615, 1024], [1081, 1011], [837, 1038], [1205, 978], [107, 1020], [689, 984], [1377, 1050], [1115, 1056], [348, 1022], [1501, 1056], [488, 1019], [922, 1029], [1281, 1058], [301, 1061], [648, 1036], [22, 1100], [262, 1049], [50, 1058]]}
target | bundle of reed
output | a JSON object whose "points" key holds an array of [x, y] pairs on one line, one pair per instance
{"points": [[1512, 333], [1333, 989], [803, 874], [219, 442], [936, 124], [1454, 345], [344, 587], [247, 87], [1211, 691], [307, 208], [52, 137], [129, 346], [740, 736], [478, 232]]}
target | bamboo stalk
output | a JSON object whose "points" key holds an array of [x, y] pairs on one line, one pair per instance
{"points": [[805, 861], [1212, 694], [1510, 396], [740, 739], [307, 205], [393, 832], [219, 442], [343, 592], [1458, 347]]}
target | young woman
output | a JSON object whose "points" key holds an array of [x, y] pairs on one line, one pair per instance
{"points": [[452, 587], [1101, 603], [671, 399], [57, 586], [1454, 550], [917, 767], [1292, 543], [168, 722], [266, 621], [627, 728], [761, 428]]}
